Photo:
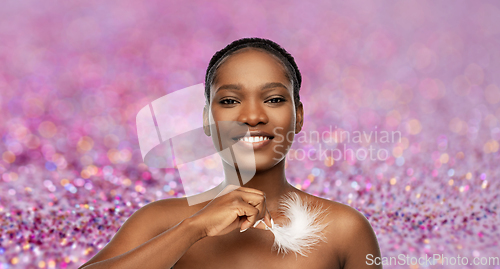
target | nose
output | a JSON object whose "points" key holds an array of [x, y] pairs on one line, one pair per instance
{"points": [[252, 114]]}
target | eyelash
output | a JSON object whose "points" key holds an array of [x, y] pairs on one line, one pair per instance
{"points": [[278, 98], [222, 102], [281, 100]]}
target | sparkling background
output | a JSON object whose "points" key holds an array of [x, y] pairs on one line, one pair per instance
{"points": [[74, 74]]}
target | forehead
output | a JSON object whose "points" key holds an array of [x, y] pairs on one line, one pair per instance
{"points": [[251, 65]]}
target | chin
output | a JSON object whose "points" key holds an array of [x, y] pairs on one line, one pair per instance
{"points": [[263, 164], [259, 164], [250, 162]]}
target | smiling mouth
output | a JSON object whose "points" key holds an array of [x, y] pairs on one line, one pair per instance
{"points": [[253, 139], [254, 142]]}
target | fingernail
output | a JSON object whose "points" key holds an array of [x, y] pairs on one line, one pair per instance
{"points": [[272, 223], [243, 230], [257, 223]]}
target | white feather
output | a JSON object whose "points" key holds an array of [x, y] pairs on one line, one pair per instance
{"points": [[303, 229]]}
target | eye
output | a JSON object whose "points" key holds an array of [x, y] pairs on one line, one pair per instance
{"points": [[227, 102], [276, 100]]}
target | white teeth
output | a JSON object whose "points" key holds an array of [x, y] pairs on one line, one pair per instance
{"points": [[254, 139]]}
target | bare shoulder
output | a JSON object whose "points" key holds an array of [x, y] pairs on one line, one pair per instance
{"points": [[344, 217], [349, 233], [149, 221], [164, 213], [341, 217], [144, 224]]}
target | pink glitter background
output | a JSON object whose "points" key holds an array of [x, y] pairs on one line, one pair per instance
{"points": [[74, 74]]}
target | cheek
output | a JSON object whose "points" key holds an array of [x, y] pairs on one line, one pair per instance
{"points": [[219, 114], [284, 129], [285, 119]]}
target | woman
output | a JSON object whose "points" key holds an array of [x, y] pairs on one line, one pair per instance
{"points": [[256, 83]]}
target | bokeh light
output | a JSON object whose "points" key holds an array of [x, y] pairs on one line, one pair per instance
{"points": [[74, 75]]}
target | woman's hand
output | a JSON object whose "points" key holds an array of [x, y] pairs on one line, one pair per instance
{"points": [[241, 208]]}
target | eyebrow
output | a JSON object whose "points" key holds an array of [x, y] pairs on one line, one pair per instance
{"points": [[266, 86]]}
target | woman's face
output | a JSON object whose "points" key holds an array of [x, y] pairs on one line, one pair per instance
{"points": [[252, 90]]}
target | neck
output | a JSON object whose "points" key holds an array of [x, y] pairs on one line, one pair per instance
{"points": [[272, 182]]}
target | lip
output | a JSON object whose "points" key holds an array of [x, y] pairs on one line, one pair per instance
{"points": [[253, 145], [253, 133]]}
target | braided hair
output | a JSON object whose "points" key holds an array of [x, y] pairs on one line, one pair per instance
{"points": [[293, 73]]}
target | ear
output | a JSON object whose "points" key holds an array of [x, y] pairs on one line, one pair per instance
{"points": [[206, 121], [299, 117]]}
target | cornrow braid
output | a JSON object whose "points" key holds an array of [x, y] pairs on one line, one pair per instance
{"points": [[268, 46]]}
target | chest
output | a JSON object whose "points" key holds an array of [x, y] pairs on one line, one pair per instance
{"points": [[251, 249]]}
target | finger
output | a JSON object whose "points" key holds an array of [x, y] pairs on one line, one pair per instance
{"points": [[267, 219], [264, 213], [251, 214], [251, 198]]}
